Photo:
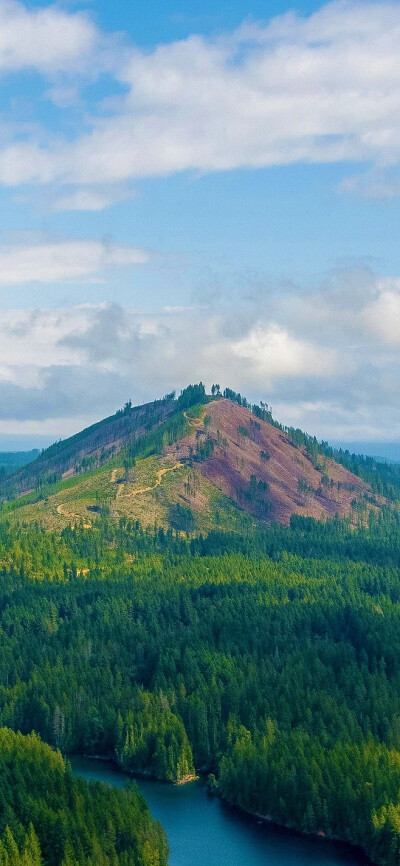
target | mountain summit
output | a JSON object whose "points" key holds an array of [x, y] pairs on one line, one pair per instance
{"points": [[194, 462]]}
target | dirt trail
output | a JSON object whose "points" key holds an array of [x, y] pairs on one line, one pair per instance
{"points": [[160, 474], [61, 509], [115, 480], [196, 422]]}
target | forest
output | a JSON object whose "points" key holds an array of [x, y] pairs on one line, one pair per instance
{"points": [[269, 661], [47, 816]]}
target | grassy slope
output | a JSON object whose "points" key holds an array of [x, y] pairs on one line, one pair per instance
{"points": [[75, 499], [89, 449]]}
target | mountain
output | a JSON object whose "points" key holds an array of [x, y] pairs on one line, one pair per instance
{"points": [[195, 462], [382, 451], [10, 461]]}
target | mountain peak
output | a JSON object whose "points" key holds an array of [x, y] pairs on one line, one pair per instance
{"points": [[194, 462]]}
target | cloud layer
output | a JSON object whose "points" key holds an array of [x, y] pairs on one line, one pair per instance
{"points": [[323, 88], [331, 368]]}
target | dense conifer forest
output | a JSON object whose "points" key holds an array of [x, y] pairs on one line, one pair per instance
{"points": [[268, 661], [47, 816], [266, 657]]}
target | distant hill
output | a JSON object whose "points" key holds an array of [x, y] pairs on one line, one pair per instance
{"points": [[195, 462], [10, 461], [382, 451]]}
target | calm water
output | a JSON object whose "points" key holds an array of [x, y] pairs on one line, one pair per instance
{"points": [[203, 831]]}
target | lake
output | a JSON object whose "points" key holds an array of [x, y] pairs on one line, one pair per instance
{"points": [[204, 831]]}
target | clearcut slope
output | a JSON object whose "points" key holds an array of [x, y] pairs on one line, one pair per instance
{"points": [[213, 464]]}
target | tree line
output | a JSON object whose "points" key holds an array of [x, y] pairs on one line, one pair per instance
{"points": [[269, 660]]}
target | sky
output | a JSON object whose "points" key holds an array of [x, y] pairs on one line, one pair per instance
{"points": [[191, 190]]}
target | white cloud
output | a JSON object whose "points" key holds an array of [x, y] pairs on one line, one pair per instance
{"points": [[30, 340], [380, 185], [62, 261], [63, 95], [56, 428], [329, 421], [82, 200], [321, 88], [89, 199], [274, 353], [381, 317], [336, 374], [46, 39]]}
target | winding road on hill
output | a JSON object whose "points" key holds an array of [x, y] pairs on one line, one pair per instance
{"points": [[197, 422], [61, 509], [160, 475]]}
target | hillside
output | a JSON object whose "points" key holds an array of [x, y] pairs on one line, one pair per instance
{"points": [[257, 466], [88, 449], [212, 464]]}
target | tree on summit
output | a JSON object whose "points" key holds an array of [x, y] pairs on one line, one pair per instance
{"points": [[191, 395]]}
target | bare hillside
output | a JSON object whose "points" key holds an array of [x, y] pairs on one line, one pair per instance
{"points": [[256, 465]]}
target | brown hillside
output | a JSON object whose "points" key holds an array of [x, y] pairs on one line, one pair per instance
{"points": [[294, 484]]}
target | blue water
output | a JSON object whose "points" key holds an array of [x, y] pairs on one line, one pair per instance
{"points": [[203, 831]]}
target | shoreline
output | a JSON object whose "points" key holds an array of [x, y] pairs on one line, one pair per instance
{"points": [[190, 777], [291, 828], [254, 816]]}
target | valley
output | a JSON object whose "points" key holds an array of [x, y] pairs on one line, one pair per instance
{"points": [[210, 594]]}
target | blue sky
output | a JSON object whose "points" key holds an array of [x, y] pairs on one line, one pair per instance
{"points": [[149, 23], [190, 191]]}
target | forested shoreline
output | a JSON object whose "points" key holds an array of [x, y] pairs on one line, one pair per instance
{"points": [[269, 661], [48, 816]]}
